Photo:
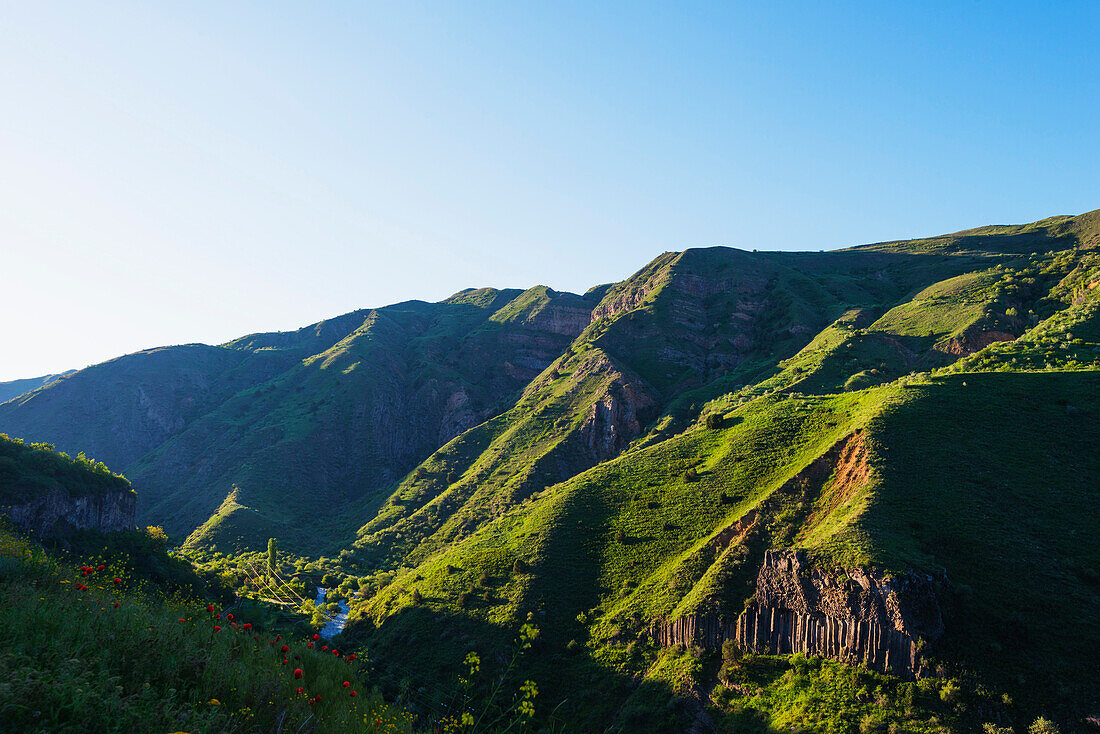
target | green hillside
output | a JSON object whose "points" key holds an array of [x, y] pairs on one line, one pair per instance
{"points": [[883, 435]]}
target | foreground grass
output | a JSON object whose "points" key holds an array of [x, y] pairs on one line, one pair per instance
{"points": [[84, 653]]}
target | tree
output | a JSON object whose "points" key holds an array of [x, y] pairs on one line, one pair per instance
{"points": [[715, 421], [271, 553], [1043, 725]]}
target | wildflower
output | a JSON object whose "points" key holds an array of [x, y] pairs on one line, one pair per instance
{"points": [[217, 628], [354, 694], [310, 645], [284, 649], [299, 689], [297, 672], [116, 604], [336, 652], [182, 620], [214, 702], [100, 567], [324, 648], [217, 616], [351, 657], [316, 637], [117, 581], [229, 616], [210, 608], [346, 684], [284, 661], [247, 625]]}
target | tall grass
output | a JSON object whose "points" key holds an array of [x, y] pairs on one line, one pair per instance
{"points": [[81, 652]]}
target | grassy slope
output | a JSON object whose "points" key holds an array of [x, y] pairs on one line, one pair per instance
{"points": [[128, 658], [343, 423], [660, 565]]}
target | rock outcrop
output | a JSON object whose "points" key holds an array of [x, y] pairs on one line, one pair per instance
{"points": [[860, 615], [57, 513]]}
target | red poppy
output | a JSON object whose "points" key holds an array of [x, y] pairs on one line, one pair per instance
{"points": [[116, 604], [353, 693], [318, 696], [346, 684], [284, 649], [182, 619], [299, 689], [278, 638], [351, 657], [248, 625], [100, 567], [284, 661], [118, 581], [229, 616], [233, 625], [324, 648], [336, 653], [217, 628], [310, 645], [217, 616], [316, 637], [210, 608], [297, 672]]}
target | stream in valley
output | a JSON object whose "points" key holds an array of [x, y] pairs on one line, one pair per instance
{"points": [[336, 624]]}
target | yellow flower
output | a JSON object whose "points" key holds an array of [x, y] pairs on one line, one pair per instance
{"points": [[214, 702]]}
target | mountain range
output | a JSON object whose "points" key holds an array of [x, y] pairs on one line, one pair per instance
{"points": [[884, 454]]}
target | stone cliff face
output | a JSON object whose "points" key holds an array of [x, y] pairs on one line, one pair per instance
{"points": [[617, 417], [56, 513], [858, 615]]}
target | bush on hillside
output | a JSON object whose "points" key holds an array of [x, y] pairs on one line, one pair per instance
{"points": [[715, 421]]}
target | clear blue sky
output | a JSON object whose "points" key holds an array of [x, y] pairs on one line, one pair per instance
{"points": [[176, 172]]}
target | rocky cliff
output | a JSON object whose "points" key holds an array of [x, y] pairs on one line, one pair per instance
{"points": [[859, 615], [56, 512]]}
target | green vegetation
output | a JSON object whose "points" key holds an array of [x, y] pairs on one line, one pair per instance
{"points": [[89, 647], [599, 466], [28, 470]]}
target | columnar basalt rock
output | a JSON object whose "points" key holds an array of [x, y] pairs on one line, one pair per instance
{"points": [[56, 513], [858, 615]]}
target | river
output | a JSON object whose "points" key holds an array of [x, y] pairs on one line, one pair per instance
{"points": [[336, 624]]}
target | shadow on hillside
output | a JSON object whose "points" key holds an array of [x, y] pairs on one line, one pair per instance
{"points": [[417, 658]]}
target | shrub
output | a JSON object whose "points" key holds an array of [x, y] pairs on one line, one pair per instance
{"points": [[1043, 725], [520, 566], [156, 532], [417, 597], [691, 475], [620, 536], [715, 421], [464, 600]]}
